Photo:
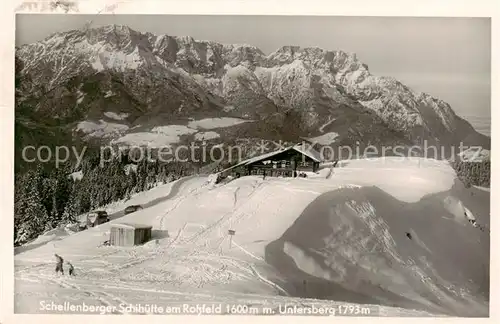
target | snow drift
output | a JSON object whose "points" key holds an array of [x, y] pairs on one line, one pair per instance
{"points": [[350, 244]]}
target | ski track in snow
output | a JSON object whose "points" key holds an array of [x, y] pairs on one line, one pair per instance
{"points": [[102, 296], [194, 250]]}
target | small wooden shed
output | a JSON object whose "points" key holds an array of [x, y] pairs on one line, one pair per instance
{"points": [[126, 234]]}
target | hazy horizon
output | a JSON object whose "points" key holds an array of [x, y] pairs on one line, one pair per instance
{"points": [[449, 58]]}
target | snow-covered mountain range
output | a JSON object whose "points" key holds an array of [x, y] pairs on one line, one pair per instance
{"points": [[85, 76]]}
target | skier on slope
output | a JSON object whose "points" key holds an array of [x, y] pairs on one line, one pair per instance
{"points": [[59, 265]]}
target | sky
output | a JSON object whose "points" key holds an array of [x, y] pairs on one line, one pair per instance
{"points": [[449, 58]]}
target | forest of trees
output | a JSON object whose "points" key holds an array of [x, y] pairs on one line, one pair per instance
{"points": [[473, 173], [46, 198]]}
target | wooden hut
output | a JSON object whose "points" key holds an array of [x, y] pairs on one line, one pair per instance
{"points": [[125, 234], [287, 162]]}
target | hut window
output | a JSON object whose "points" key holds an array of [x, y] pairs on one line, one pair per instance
{"points": [[304, 163]]}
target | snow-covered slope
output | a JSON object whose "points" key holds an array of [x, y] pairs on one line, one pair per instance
{"points": [[192, 259]]}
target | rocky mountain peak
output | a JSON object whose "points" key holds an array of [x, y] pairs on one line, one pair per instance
{"points": [[316, 57]]}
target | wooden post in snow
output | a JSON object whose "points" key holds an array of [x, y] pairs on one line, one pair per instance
{"points": [[231, 234], [422, 145]]}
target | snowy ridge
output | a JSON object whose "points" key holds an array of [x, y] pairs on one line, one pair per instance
{"points": [[325, 139], [330, 120], [115, 116], [474, 154]]}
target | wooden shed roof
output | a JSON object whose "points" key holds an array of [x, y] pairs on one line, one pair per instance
{"points": [[132, 226]]}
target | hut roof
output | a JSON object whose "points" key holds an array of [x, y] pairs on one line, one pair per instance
{"points": [[132, 226], [308, 151]]}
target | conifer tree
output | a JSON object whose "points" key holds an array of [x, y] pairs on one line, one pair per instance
{"points": [[71, 210], [34, 217]]}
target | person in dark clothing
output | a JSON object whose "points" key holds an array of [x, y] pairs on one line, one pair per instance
{"points": [[408, 235], [71, 269], [59, 265], [264, 178]]}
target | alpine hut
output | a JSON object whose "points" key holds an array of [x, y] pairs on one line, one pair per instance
{"points": [[287, 162]]}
